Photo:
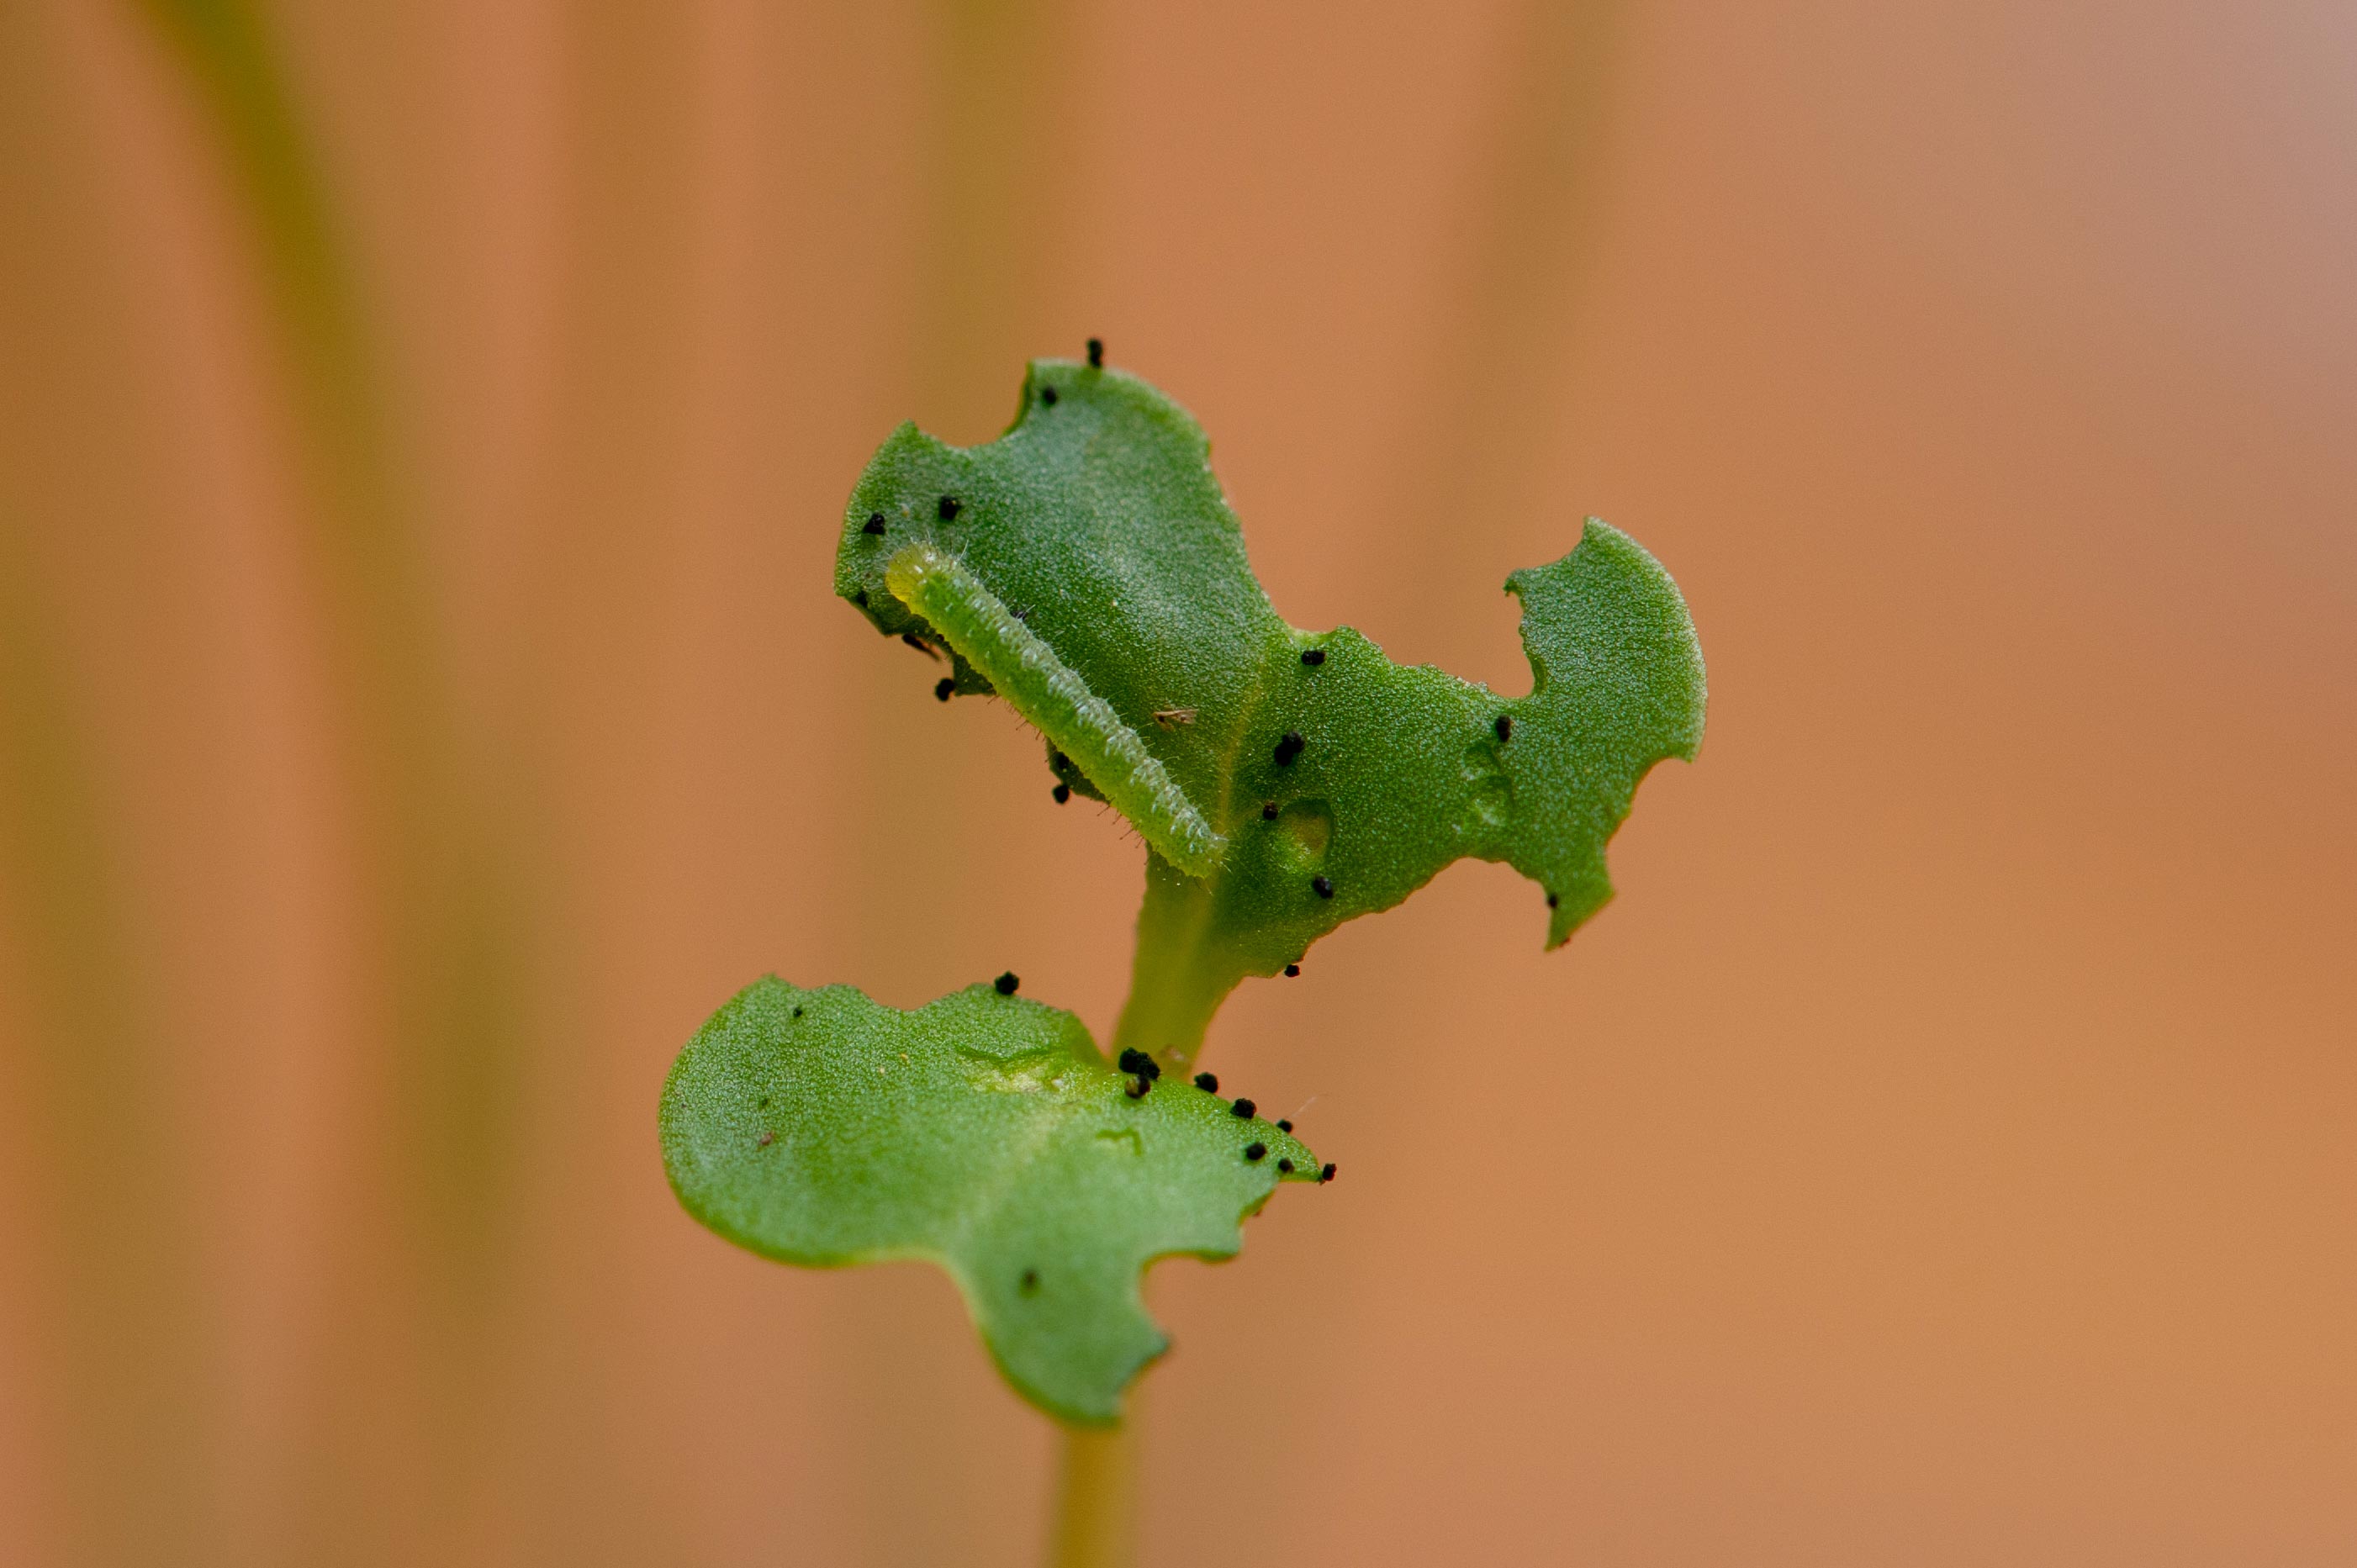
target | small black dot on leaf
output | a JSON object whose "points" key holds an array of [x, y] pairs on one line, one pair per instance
{"points": [[949, 508], [1048, 396], [1328, 1174], [1322, 885], [1284, 1124], [859, 597], [1030, 1281], [1243, 1108], [1059, 761], [1286, 1166], [797, 1012], [1062, 792], [1096, 353], [1292, 972], [1505, 726], [1209, 1082], [1255, 1151], [1313, 657], [1288, 746], [1006, 983], [875, 523], [1552, 900], [1268, 810], [943, 688]]}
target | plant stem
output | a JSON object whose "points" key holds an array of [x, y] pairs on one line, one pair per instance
{"points": [[1180, 974], [1169, 1004], [432, 843], [1096, 1502]]}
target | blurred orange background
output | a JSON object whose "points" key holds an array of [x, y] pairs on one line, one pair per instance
{"points": [[423, 434]]}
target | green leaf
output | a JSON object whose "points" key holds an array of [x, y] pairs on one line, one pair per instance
{"points": [[1085, 567], [984, 1132]]}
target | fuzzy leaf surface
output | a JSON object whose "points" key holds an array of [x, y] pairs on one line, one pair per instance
{"points": [[1086, 567], [983, 1133]]}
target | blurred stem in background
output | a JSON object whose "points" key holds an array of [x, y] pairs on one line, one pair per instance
{"points": [[423, 803], [1532, 207], [112, 1278], [117, 1261], [999, 196]]}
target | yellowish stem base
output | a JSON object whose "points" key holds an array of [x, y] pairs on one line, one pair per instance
{"points": [[1096, 1507]]}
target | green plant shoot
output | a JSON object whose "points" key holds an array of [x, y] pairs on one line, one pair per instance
{"points": [[1085, 568]]}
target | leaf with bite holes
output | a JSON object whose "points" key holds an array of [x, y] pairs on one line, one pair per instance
{"points": [[1085, 567], [983, 1133]]}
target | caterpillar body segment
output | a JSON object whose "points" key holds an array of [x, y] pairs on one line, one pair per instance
{"points": [[1053, 697]]}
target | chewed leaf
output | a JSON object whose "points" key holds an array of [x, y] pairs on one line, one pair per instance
{"points": [[984, 1132], [1086, 566]]}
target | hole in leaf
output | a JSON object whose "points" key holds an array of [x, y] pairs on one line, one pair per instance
{"points": [[1308, 827], [1490, 794], [1024, 1072]]}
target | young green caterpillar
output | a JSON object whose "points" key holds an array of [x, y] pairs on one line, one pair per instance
{"points": [[1058, 703]]}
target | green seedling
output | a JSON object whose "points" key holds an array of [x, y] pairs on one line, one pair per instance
{"points": [[1084, 568]]}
